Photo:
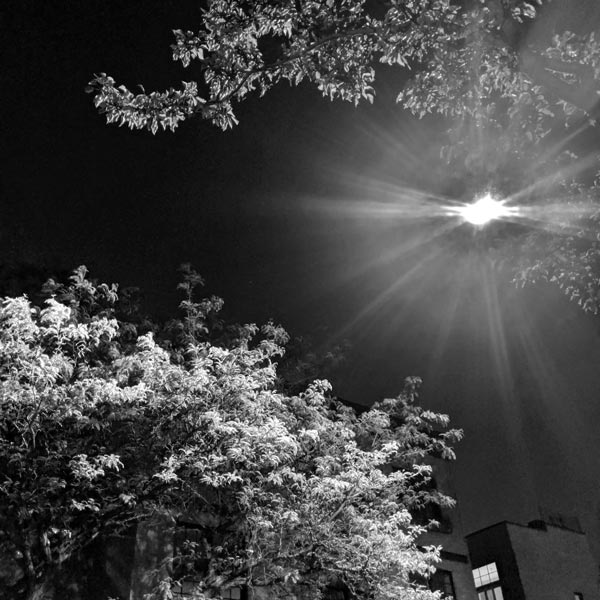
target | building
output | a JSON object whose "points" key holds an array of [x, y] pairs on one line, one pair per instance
{"points": [[548, 559], [454, 574]]}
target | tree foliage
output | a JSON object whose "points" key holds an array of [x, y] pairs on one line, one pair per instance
{"points": [[472, 61], [244, 47], [105, 424], [463, 55]]}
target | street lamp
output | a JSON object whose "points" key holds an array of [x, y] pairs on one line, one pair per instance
{"points": [[484, 210]]}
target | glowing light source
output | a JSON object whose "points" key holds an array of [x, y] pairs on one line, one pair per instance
{"points": [[484, 210]]}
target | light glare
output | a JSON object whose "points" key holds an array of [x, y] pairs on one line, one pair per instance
{"points": [[484, 210]]}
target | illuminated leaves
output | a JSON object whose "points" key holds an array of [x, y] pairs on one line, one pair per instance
{"points": [[249, 47], [464, 58], [145, 111], [286, 489]]}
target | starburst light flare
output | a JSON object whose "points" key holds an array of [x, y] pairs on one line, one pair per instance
{"points": [[484, 210]]}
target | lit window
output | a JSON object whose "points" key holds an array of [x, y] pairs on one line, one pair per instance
{"points": [[577, 596], [494, 593], [486, 574]]}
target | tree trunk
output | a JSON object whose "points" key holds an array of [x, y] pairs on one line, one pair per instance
{"points": [[35, 589]]}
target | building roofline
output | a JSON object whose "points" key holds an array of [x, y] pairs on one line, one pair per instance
{"points": [[490, 527], [524, 526]]}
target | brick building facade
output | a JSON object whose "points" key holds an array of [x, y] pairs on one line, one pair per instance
{"points": [[539, 561]]}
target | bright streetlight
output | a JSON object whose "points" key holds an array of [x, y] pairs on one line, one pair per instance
{"points": [[484, 210]]}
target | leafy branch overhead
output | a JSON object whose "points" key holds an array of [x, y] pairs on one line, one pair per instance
{"points": [[505, 73], [244, 47]]}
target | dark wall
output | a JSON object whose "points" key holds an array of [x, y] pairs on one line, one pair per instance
{"points": [[493, 545]]}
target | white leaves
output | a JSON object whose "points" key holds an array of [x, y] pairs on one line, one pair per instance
{"points": [[128, 499], [168, 473], [375, 420], [55, 315], [145, 110], [332, 43], [90, 469], [528, 10], [86, 505], [211, 435], [310, 434], [248, 47], [187, 47], [221, 480], [316, 391], [18, 330]]}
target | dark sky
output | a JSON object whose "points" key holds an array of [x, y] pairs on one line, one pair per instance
{"points": [[297, 214]]}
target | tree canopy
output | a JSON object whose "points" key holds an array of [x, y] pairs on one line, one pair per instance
{"points": [[107, 421], [462, 54]]}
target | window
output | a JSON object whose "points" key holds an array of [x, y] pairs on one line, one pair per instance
{"points": [[189, 560], [232, 593], [486, 574], [441, 581], [577, 596], [485, 577], [494, 593], [432, 512]]}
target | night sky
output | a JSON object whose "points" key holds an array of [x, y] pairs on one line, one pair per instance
{"points": [[298, 214]]}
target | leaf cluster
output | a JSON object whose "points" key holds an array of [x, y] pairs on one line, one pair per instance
{"points": [[103, 427], [245, 47]]}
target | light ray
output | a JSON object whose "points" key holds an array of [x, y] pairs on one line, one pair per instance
{"points": [[543, 182], [388, 295]]}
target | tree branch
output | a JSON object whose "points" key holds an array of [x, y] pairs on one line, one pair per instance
{"points": [[561, 66], [537, 67]]}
